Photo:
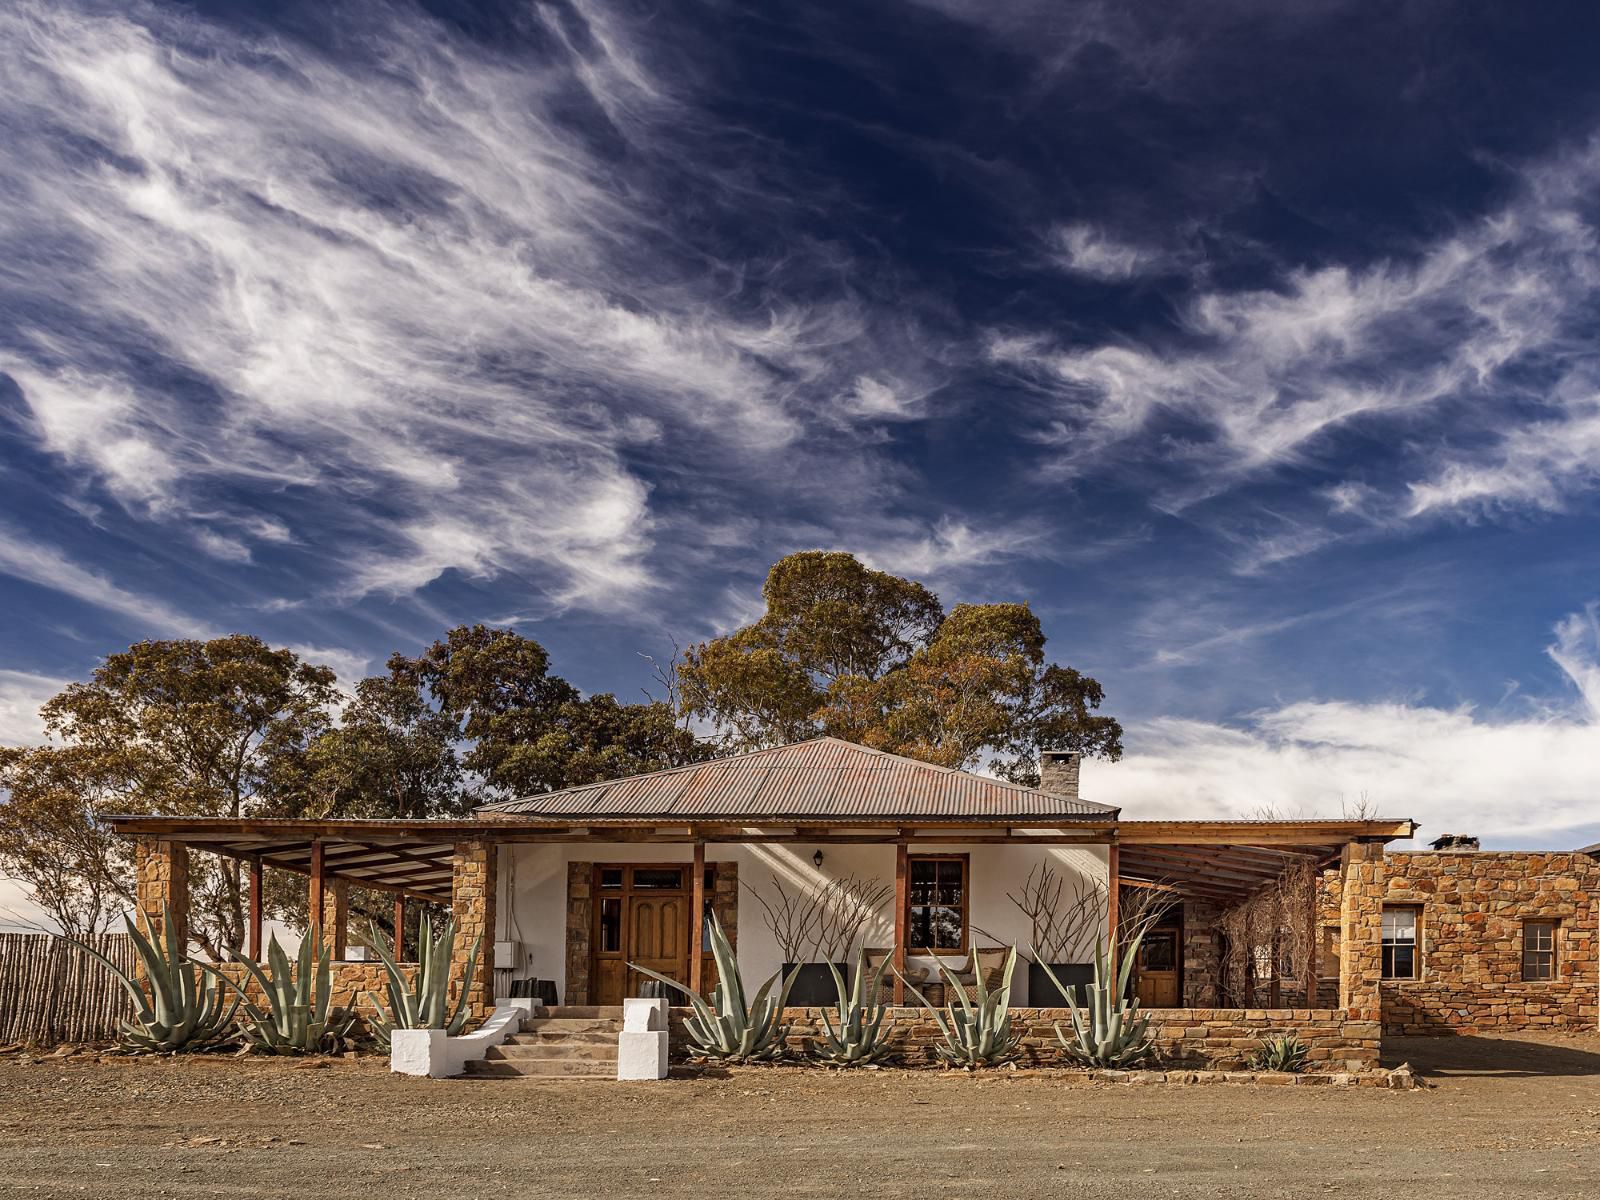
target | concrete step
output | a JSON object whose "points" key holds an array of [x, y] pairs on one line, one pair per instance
{"points": [[544, 1068], [565, 1037], [587, 1011]]}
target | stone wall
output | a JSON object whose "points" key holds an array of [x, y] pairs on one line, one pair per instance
{"points": [[1202, 954], [472, 902], [1473, 905], [353, 982], [1197, 1038], [161, 884]]}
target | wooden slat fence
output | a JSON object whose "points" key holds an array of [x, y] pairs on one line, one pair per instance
{"points": [[51, 992]]}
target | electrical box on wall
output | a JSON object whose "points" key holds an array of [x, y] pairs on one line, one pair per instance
{"points": [[507, 955]]}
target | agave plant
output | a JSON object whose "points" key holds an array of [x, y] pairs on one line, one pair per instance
{"points": [[173, 1012], [1283, 1053], [977, 1030], [724, 1027], [299, 1017], [1114, 1033], [425, 1002], [855, 1040]]}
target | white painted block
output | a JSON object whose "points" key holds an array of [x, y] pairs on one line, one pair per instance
{"points": [[414, 1051], [642, 1054], [639, 1015]]}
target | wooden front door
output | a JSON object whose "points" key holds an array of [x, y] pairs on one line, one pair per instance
{"points": [[641, 915], [1158, 969]]}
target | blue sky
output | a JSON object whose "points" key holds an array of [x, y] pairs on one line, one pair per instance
{"points": [[1252, 343]]}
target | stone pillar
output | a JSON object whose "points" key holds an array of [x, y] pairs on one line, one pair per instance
{"points": [[1361, 872], [472, 897], [161, 885], [334, 919]]}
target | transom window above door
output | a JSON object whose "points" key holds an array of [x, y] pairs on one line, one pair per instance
{"points": [[936, 903]]}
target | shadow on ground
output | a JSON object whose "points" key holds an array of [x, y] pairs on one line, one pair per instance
{"points": [[1506, 1057]]}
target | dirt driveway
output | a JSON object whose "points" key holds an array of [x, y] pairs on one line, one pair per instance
{"points": [[1509, 1118]]}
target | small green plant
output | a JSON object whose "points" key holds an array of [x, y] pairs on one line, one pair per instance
{"points": [[977, 1030], [174, 1013], [299, 1017], [724, 1027], [1114, 1034], [855, 1040], [1285, 1052], [422, 1003]]}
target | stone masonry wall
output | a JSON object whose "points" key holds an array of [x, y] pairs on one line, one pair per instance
{"points": [[1202, 954], [161, 883], [472, 902], [1473, 905], [1197, 1038], [353, 983]]}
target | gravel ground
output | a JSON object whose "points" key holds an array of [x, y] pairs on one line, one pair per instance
{"points": [[1507, 1118]]}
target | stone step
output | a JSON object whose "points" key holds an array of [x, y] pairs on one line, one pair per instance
{"points": [[588, 1011], [544, 1068], [593, 1052], [565, 1037], [564, 1026]]}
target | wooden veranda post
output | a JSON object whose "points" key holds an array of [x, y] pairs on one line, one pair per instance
{"points": [[399, 928], [255, 908], [697, 919], [901, 883], [314, 895], [1113, 899]]}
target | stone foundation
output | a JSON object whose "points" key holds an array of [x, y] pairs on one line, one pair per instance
{"points": [[351, 983], [1193, 1038]]}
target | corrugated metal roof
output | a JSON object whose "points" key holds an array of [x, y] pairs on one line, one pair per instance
{"points": [[822, 779]]}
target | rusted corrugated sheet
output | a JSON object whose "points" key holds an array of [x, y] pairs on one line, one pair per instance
{"points": [[823, 779]]}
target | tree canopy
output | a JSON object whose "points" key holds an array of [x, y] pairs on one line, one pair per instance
{"points": [[868, 656]]}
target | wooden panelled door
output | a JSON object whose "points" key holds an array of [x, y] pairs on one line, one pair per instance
{"points": [[1157, 969], [641, 915]]}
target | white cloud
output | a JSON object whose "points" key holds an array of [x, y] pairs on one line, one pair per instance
{"points": [[1086, 250], [1517, 780], [1458, 342], [951, 545], [419, 288], [21, 695], [48, 567]]}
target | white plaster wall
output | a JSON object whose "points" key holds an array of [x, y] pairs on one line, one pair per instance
{"points": [[533, 885]]}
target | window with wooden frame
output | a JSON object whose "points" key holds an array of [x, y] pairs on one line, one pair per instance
{"points": [[936, 903], [1539, 951], [1400, 957]]}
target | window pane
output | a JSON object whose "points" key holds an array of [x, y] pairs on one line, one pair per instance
{"points": [[611, 924], [946, 928], [1399, 924], [922, 876], [920, 927], [658, 877], [611, 877]]}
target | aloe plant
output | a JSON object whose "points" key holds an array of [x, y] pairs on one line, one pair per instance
{"points": [[1114, 1034], [299, 1017], [855, 1040], [422, 1003], [174, 1013], [724, 1027], [978, 1030], [1285, 1052]]}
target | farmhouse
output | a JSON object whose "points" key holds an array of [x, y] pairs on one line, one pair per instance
{"points": [[1249, 927]]}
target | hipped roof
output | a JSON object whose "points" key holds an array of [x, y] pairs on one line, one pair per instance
{"points": [[824, 779]]}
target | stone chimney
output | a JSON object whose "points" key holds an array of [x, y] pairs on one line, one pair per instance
{"points": [[1454, 841], [1058, 772]]}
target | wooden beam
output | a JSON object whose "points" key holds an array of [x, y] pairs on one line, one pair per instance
{"points": [[1113, 897], [399, 929], [255, 908], [697, 918], [901, 884], [315, 893], [297, 868]]}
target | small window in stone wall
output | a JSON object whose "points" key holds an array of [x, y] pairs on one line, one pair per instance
{"points": [[1538, 951], [1400, 943]]}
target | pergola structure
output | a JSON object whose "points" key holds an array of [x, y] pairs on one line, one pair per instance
{"points": [[453, 862]]}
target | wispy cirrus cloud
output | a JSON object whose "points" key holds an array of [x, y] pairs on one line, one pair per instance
{"points": [[1470, 357], [446, 291], [48, 567]]}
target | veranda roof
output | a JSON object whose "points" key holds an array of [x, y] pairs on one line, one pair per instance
{"points": [[821, 780]]}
